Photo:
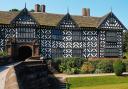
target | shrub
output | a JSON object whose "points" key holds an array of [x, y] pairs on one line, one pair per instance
{"points": [[87, 67], [77, 70], [3, 54], [70, 65], [118, 67], [98, 71], [56, 63], [69, 71], [94, 62], [125, 62], [105, 66], [124, 57]]}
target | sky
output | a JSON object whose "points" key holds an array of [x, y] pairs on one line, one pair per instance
{"points": [[97, 7]]}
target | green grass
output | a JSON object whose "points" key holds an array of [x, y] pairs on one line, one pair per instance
{"points": [[102, 82], [110, 86]]}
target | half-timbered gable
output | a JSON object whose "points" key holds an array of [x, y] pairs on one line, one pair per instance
{"points": [[111, 36], [23, 31], [110, 21], [24, 17], [67, 21]]}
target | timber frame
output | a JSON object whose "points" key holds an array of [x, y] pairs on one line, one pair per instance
{"points": [[67, 38]]}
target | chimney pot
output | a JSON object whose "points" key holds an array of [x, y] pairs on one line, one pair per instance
{"points": [[37, 8], [86, 12], [43, 8]]}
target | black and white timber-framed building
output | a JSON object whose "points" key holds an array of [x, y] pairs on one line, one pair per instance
{"points": [[63, 35]]}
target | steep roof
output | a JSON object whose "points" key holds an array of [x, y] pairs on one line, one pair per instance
{"points": [[7, 17], [52, 19]]}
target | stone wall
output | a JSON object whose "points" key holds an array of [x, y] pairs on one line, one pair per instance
{"points": [[32, 75]]}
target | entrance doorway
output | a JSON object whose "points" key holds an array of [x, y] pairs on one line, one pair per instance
{"points": [[24, 52]]}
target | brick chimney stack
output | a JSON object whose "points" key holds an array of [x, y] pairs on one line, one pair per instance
{"points": [[43, 8], [86, 12], [37, 8]]}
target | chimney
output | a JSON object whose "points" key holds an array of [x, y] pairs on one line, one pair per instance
{"points": [[86, 12], [37, 8], [43, 8]]}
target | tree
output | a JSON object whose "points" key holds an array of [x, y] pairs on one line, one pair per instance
{"points": [[32, 10], [125, 41], [16, 10]]}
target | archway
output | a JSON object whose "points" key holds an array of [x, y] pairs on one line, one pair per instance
{"points": [[24, 52]]}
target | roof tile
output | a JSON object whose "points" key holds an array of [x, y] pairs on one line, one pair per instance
{"points": [[52, 19]]}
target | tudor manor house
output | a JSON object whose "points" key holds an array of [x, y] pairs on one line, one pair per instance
{"points": [[25, 34]]}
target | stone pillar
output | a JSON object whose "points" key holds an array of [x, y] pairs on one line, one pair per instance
{"points": [[11, 47], [35, 50]]}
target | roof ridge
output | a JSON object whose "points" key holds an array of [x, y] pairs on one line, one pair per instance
{"points": [[52, 19], [65, 14], [54, 14]]}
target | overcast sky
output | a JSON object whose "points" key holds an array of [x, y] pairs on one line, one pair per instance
{"points": [[98, 7]]}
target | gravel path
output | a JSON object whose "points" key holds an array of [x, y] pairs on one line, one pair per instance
{"points": [[62, 77], [3, 71], [85, 75], [82, 75]]}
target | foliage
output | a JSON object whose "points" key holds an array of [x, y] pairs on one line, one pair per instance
{"points": [[69, 65], [56, 64], [93, 82], [125, 62], [125, 41], [105, 66], [75, 65], [125, 55], [12, 10], [3, 54], [32, 10], [87, 67], [17, 10], [118, 67], [77, 70], [4, 58], [94, 62], [98, 71], [72, 70]]}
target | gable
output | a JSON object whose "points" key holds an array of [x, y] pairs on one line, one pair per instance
{"points": [[24, 17], [67, 21], [110, 21]]}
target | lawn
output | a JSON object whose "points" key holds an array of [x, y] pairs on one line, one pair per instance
{"points": [[102, 82]]}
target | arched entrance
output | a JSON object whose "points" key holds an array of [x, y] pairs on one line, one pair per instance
{"points": [[20, 51], [24, 52]]}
